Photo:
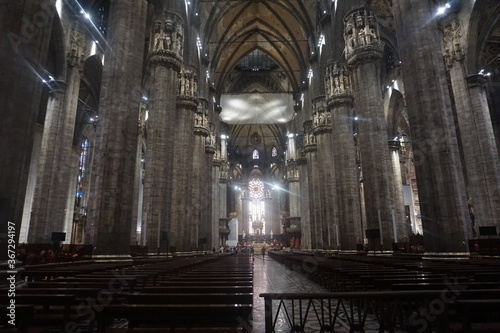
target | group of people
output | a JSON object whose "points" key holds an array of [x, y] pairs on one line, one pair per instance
{"points": [[228, 249], [37, 257]]}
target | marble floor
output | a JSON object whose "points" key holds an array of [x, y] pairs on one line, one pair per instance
{"points": [[271, 276]]}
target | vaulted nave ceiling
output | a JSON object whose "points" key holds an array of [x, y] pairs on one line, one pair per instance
{"points": [[280, 29], [258, 53]]}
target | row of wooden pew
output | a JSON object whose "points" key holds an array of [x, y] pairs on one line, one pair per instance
{"points": [[207, 293], [468, 290]]}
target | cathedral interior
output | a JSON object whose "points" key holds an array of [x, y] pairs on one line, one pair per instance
{"points": [[176, 126]]}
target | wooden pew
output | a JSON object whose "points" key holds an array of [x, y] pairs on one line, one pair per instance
{"points": [[142, 279], [24, 316], [177, 315], [79, 293], [189, 298], [478, 315], [198, 289], [185, 283], [444, 285], [106, 284], [46, 301]]}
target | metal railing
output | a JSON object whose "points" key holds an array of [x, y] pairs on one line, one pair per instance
{"points": [[391, 311]]}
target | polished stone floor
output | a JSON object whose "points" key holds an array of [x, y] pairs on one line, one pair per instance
{"points": [[271, 276]]}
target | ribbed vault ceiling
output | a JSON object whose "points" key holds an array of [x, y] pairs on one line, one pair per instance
{"points": [[258, 47], [280, 29]]}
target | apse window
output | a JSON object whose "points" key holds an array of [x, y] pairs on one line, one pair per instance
{"points": [[255, 154]]}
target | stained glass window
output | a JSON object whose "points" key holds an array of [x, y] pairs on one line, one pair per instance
{"points": [[274, 152], [255, 154], [102, 17], [81, 171], [257, 207], [256, 187]]}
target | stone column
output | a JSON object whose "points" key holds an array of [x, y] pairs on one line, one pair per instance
{"points": [[26, 28], [363, 54], [305, 219], [322, 129], [292, 178], [207, 224], [182, 218], [243, 217], [165, 58], [310, 150], [480, 154], [339, 96], [273, 221], [55, 169], [222, 199], [441, 187], [216, 203], [220, 202], [30, 191], [111, 199], [219, 184], [400, 227], [137, 230], [202, 173]]}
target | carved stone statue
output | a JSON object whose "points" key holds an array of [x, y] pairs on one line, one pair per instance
{"points": [[169, 26], [361, 37]]}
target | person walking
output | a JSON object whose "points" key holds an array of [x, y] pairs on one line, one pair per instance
{"points": [[263, 252]]}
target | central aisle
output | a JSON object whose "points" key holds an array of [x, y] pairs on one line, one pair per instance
{"points": [[271, 276]]}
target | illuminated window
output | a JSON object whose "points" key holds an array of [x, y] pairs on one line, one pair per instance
{"points": [[274, 152], [81, 171], [102, 17], [256, 187], [59, 7], [255, 154], [256, 214]]}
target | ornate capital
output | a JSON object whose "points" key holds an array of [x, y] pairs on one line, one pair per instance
{"points": [[308, 139], [338, 84], [187, 89], [167, 41], [321, 117], [301, 161], [224, 173], [310, 142], [362, 37], [476, 80], [57, 86], [394, 144], [211, 140], [201, 122], [451, 43], [292, 172], [141, 124]]}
